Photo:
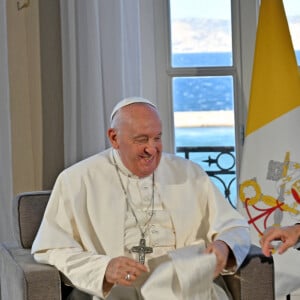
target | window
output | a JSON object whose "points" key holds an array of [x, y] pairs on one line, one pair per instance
{"points": [[203, 75], [211, 45]]}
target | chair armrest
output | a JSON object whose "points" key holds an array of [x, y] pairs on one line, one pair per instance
{"points": [[254, 279], [24, 279]]}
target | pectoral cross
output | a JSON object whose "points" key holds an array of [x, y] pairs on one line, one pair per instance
{"points": [[142, 250]]}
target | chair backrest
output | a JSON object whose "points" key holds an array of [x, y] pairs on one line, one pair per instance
{"points": [[28, 209]]}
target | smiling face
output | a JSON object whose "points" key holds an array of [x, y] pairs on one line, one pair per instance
{"points": [[136, 135]]}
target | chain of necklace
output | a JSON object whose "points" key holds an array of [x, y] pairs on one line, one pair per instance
{"points": [[130, 206]]}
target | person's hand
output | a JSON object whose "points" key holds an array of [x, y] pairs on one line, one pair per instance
{"points": [[288, 235], [123, 271], [221, 250]]}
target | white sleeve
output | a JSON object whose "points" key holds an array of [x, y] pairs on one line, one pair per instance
{"points": [[84, 269], [59, 243]]}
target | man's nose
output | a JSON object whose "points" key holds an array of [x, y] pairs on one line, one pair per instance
{"points": [[151, 147]]}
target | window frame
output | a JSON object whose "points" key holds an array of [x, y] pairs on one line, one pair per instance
{"points": [[245, 17], [242, 25]]}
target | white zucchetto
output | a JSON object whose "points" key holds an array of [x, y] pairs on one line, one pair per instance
{"points": [[128, 101]]}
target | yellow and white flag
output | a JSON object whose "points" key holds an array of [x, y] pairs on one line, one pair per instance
{"points": [[269, 187]]}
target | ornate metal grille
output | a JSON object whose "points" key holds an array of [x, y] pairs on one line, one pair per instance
{"points": [[219, 164]]}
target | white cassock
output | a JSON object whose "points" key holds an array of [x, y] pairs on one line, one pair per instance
{"points": [[87, 222]]}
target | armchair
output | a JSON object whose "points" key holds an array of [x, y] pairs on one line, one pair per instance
{"points": [[22, 278]]}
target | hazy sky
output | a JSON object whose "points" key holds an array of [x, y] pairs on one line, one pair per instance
{"points": [[202, 8], [292, 7], [207, 8]]}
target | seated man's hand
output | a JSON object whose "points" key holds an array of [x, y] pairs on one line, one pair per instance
{"points": [[122, 270], [221, 250], [288, 235]]}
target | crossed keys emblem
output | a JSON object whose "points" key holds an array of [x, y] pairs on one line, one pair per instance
{"points": [[288, 185]]}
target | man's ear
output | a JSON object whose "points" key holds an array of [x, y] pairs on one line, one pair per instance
{"points": [[112, 135]]}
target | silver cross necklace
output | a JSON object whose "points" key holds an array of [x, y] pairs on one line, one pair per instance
{"points": [[142, 249]]}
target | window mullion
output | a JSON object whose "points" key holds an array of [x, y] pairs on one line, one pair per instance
{"points": [[211, 71]]}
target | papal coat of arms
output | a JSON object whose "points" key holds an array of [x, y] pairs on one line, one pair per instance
{"points": [[264, 210]]}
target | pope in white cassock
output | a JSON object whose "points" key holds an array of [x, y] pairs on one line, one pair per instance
{"points": [[133, 222]]}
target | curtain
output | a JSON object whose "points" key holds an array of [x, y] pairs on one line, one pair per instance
{"points": [[108, 54], [6, 193]]}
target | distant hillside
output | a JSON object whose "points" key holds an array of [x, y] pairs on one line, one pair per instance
{"points": [[202, 35]]}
